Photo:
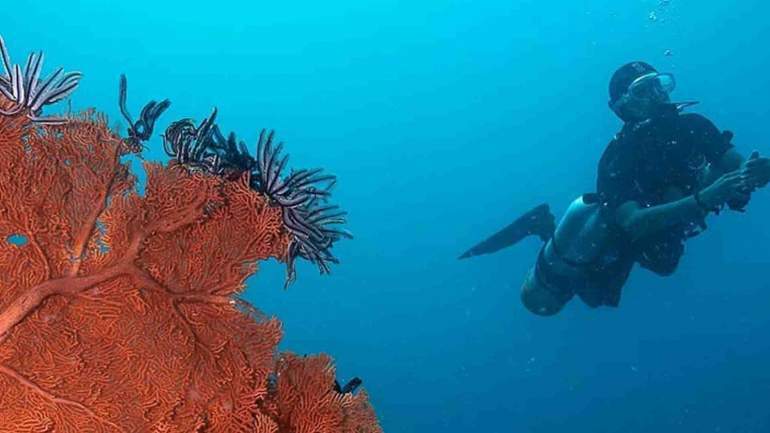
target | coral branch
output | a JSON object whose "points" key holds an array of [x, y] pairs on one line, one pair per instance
{"points": [[28, 301], [39, 250], [52, 398], [89, 226]]}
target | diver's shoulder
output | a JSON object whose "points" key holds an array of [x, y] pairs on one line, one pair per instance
{"points": [[694, 118], [696, 121]]}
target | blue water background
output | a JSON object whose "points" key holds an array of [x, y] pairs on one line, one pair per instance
{"points": [[443, 121]]}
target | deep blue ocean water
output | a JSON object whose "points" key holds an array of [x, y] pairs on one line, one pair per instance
{"points": [[443, 120]]}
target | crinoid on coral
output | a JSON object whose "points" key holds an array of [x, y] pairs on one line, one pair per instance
{"points": [[141, 130], [189, 145], [204, 147], [304, 213], [119, 312], [26, 93], [301, 195]]}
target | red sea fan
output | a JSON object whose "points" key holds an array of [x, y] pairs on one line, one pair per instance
{"points": [[118, 311], [302, 399]]}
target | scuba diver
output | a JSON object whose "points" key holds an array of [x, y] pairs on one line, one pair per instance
{"points": [[657, 180]]}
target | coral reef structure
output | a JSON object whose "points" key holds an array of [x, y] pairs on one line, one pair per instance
{"points": [[119, 312]]}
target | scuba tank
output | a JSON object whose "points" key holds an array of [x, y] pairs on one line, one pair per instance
{"points": [[580, 237]]}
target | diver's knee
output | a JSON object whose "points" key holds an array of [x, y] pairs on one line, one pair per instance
{"points": [[662, 259], [666, 271], [539, 299], [661, 268]]}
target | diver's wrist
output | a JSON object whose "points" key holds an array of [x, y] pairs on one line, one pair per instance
{"points": [[703, 204]]}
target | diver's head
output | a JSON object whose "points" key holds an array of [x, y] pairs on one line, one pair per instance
{"points": [[638, 91]]}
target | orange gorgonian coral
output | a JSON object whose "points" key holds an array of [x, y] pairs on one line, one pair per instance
{"points": [[118, 311]]}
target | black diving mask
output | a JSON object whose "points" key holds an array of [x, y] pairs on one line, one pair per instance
{"points": [[652, 88]]}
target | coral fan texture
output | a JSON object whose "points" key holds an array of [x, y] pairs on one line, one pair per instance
{"points": [[118, 311]]}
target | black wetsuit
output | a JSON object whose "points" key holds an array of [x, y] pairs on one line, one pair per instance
{"points": [[644, 162]]}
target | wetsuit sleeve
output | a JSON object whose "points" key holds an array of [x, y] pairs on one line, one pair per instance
{"points": [[709, 139], [713, 143]]}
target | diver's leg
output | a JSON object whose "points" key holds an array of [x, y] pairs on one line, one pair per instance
{"points": [[604, 282], [538, 221], [539, 299], [544, 292]]}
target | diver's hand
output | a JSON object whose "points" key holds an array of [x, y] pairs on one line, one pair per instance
{"points": [[731, 187], [757, 170]]}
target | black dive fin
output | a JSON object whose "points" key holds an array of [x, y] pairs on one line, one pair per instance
{"points": [[538, 221]]}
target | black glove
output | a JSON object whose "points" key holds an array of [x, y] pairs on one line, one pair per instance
{"points": [[739, 205]]}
